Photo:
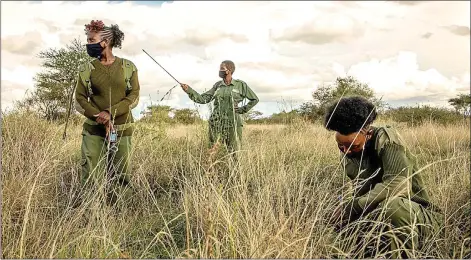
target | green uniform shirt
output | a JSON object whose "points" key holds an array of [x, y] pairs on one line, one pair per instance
{"points": [[387, 169], [225, 97], [109, 93]]}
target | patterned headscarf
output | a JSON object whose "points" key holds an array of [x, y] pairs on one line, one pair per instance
{"points": [[111, 33]]}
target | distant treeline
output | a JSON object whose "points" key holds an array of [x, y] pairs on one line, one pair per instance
{"points": [[55, 84]]}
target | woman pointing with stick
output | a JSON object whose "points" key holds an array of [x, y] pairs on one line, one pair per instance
{"points": [[225, 122]]}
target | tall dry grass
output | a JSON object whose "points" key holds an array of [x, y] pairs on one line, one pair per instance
{"points": [[275, 204]]}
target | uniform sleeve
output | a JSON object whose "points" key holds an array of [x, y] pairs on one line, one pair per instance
{"points": [[82, 99], [395, 181], [124, 106], [251, 96], [204, 98]]}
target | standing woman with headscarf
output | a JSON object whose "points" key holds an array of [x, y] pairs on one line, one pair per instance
{"points": [[107, 89]]}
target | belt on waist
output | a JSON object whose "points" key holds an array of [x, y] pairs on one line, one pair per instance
{"points": [[117, 127]]}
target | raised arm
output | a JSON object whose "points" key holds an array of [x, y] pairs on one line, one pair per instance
{"points": [[204, 98]]}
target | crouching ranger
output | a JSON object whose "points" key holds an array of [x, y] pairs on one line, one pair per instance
{"points": [[384, 175]]}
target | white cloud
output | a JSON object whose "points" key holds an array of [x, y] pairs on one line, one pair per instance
{"points": [[465, 78], [400, 77], [281, 49], [20, 75]]}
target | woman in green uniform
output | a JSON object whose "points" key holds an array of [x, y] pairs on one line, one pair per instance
{"points": [[384, 174], [225, 122], [107, 89]]}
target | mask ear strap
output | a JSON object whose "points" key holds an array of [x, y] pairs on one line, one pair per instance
{"points": [[369, 133]]}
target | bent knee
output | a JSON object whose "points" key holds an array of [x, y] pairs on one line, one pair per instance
{"points": [[399, 211]]}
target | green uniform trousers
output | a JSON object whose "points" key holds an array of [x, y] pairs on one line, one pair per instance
{"points": [[94, 158], [412, 227], [229, 136]]}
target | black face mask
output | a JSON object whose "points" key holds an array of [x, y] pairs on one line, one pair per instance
{"points": [[367, 151], [94, 50], [222, 73], [353, 155]]}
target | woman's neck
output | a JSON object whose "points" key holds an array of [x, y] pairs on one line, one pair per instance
{"points": [[107, 57], [228, 80]]}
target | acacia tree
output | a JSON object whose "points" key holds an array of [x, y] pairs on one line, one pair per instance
{"points": [[345, 87], [461, 103], [252, 115], [342, 87], [55, 84], [185, 116], [158, 113]]}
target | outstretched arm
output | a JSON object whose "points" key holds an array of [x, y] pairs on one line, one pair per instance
{"points": [[204, 98]]}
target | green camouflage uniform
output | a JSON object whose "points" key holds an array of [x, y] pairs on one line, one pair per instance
{"points": [[225, 122], [396, 189], [109, 94]]}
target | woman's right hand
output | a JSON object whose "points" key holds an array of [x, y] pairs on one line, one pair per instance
{"points": [[103, 117], [184, 87]]}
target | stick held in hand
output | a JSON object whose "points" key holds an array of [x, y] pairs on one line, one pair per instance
{"points": [[162, 67]]}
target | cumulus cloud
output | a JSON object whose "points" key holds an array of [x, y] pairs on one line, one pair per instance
{"points": [[12, 92], [427, 35], [321, 30], [283, 50], [24, 44], [401, 78], [458, 30], [22, 75]]}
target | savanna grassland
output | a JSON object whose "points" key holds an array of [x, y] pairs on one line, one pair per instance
{"points": [[275, 204]]}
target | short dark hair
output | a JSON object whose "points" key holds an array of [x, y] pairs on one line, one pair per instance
{"points": [[349, 115], [230, 65]]}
